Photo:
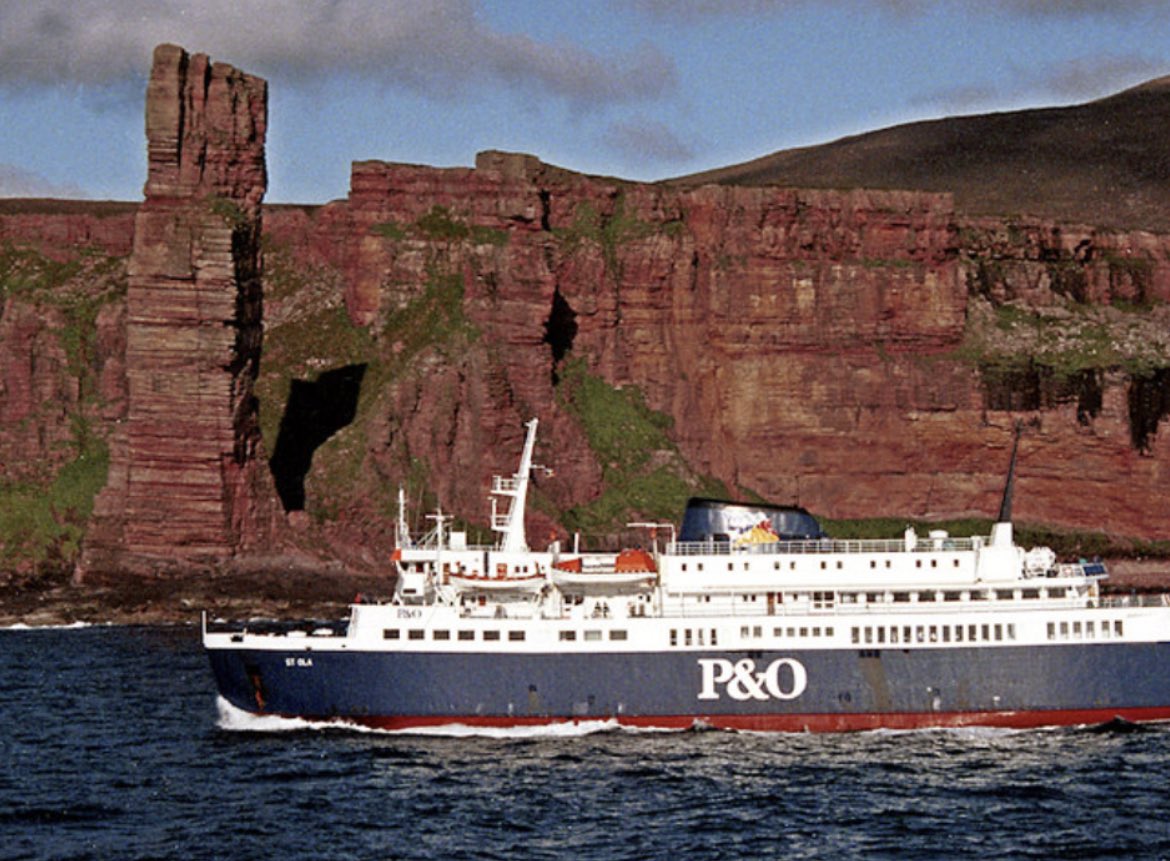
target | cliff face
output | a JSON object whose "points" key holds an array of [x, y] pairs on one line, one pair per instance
{"points": [[860, 353], [844, 351]]}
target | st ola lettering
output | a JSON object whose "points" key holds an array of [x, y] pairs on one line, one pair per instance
{"points": [[741, 681]]}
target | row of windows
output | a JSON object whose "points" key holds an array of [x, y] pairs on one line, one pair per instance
{"points": [[1085, 631], [491, 634], [914, 634], [827, 599], [824, 564], [710, 637]]}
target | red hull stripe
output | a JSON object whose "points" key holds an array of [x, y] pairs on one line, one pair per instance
{"points": [[794, 723]]}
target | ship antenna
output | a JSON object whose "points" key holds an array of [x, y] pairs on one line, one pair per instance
{"points": [[1005, 506], [511, 525]]}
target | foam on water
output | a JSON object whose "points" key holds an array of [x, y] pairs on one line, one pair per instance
{"points": [[21, 626], [237, 720]]}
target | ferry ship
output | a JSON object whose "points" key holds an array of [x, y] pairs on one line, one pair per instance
{"points": [[749, 618]]}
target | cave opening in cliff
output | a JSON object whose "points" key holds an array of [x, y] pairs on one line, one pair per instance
{"points": [[559, 330], [316, 410], [1149, 403]]}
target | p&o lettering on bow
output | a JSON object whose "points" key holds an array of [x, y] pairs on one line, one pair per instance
{"points": [[741, 681]]}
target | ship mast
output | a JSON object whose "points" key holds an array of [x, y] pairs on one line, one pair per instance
{"points": [[511, 525]]}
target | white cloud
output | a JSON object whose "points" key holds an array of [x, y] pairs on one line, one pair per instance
{"points": [[438, 47], [647, 142], [18, 182]]}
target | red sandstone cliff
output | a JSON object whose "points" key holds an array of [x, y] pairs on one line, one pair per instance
{"points": [[185, 486], [860, 353]]}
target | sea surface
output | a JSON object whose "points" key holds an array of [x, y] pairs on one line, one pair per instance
{"points": [[113, 746]]}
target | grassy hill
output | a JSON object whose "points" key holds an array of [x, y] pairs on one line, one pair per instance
{"points": [[1105, 163]]}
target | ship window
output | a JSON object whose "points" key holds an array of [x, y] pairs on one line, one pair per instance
{"points": [[824, 565], [1030, 594], [1052, 630], [828, 632], [568, 635], [887, 563], [683, 567], [1117, 628], [894, 634], [901, 597], [873, 563], [776, 566], [1064, 630], [816, 632], [978, 596], [919, 634], [777, 632], [467, 635], [698, 566], [757, 631], [674, 636], [934, 633], [618, 635], [730, 565], [972, 633], [1056, 593], [839, 564], [956, 561], [854, 635], [917, 563], [416, 633], [491, 635], [906, 635], [952, 596], [744, 631], [594, 636], [1077, 629], [391, 634], [1105, 630], [713, 638], [1090, 629], [986, 632], [1011, 631], [998, 632], [688, 637], [958, 633], [868, 634], [933, 563], [792, 565], [515, 635], [804, 632], [1004, 594], [946, 632], [441, 635], [881, 635], [791, 632]]}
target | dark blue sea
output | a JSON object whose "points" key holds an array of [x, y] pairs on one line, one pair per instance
{"points": [[112, 746]]}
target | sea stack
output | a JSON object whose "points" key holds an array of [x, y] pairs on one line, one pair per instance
{"points": [[187, 488]]}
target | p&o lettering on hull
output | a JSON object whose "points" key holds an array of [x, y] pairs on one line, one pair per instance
{"points": [[740, 680]]}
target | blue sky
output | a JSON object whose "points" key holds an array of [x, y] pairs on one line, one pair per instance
{"points": [[641, 89]]}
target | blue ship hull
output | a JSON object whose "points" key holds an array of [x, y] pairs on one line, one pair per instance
{"points": [[814, 690]]}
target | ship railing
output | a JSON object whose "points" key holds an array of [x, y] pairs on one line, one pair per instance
{"points": [[500, 484], [1135, 600], [733, 608], [821, 545]]}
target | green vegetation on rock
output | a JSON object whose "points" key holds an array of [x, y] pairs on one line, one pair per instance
{"points": [[643, 473]]}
